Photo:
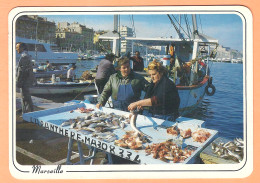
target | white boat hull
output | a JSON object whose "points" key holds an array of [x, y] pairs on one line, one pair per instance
{"points": [[191, 96], [46, 53], [67, 88], [48, 74]]}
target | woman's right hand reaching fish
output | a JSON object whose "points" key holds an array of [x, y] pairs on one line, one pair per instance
{"points": [[132, 106], [98, 106]]}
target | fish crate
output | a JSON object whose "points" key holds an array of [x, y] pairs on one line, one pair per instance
{"points": [[156, 129]]}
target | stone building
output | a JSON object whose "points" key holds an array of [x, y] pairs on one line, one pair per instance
{"points": [[35, 27], [74, 37], [126, 46]]}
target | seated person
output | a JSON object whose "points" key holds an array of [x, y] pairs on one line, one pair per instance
{"points": [[71, 73], [48, 66]]}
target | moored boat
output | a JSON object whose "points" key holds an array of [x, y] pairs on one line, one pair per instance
{"points": [[48, 88], [47, 74], [42, 52]]}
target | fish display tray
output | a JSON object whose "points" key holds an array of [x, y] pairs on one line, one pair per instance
{"points": [[51, 119]]}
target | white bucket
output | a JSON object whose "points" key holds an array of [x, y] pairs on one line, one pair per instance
{"points": [[53, 78], [57, 79], [166, 60]]}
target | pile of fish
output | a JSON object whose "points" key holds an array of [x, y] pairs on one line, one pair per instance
{"points": [[132, 140], [200, 135], [231, 150], [97, 123], [168, 151], [106, 136]]}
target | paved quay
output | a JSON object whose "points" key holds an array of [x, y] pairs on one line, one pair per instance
{"points": [[38, 146]]}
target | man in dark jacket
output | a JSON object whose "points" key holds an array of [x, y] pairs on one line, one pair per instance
{"points": [[104, 71], [138, 62], [25, 77]]}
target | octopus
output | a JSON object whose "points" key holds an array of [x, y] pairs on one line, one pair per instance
{"points": [[131, 140], [200, 135], [174, 130], [168, 151], [185, 133], [85, 110]]}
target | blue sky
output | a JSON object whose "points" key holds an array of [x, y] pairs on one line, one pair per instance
{"points": [[227, 28]]}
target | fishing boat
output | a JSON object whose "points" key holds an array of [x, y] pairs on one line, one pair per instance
{"points": [[191, 53], [47, 74], [42, 52], [62, 87], [98, 57], [59, 70]]}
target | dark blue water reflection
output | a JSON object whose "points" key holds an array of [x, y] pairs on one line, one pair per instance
{"points": [[224, 110]]}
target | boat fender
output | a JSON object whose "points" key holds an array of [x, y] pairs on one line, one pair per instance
{"points": [[210, 85]]}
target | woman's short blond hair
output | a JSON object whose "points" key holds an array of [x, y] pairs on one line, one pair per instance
{"points": [[156, 65]]}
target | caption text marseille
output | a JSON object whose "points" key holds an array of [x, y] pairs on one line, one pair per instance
{"points": [[37, 169]]}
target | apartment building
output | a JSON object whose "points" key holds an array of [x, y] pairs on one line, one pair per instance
{"points": [[74, 36], [126, 46], [35, 27]]}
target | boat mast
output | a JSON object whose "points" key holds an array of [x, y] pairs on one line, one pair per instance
{"points": [[194, 67], [36, 37], [195, 33], [180, 23], [195, 27]]}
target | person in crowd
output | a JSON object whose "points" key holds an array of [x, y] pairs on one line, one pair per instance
{"points": [[104, 71], [138, 62], [25, 77], [162, 95], [48, 66], [71, 73], [124, 87]]}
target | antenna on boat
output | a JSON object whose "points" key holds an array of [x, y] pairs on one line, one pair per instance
{"points": [[116, 42], [36, 37], [176, 28], [195, 27]]}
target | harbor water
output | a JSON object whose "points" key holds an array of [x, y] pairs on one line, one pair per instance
{"points": [[222, 112]]}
